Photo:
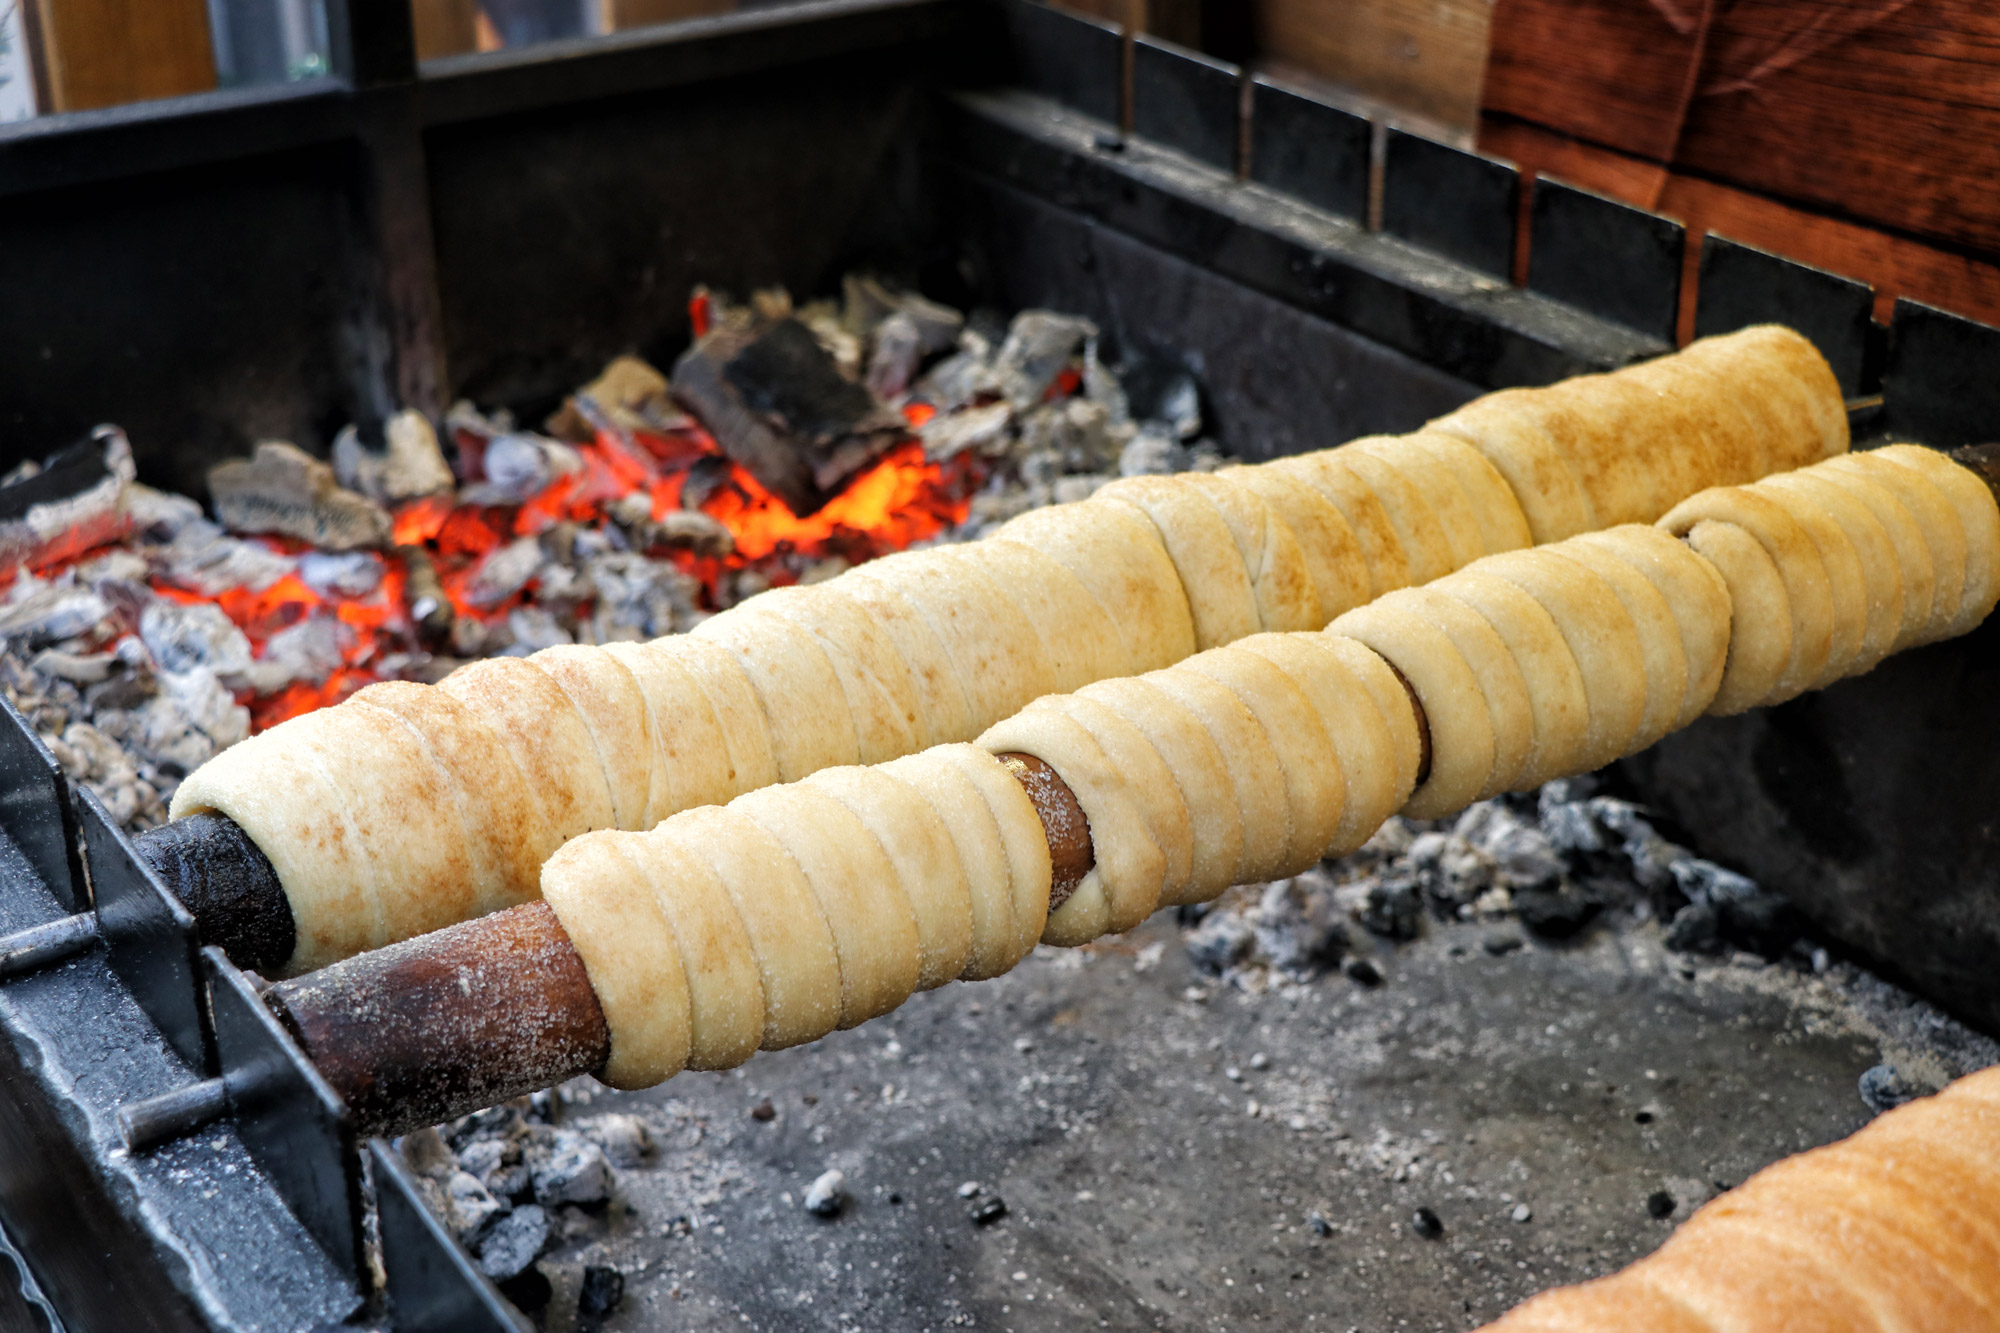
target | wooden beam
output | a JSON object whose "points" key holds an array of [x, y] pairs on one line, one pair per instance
{"points": [[445, 27], [102, 53], [1423, 57]]}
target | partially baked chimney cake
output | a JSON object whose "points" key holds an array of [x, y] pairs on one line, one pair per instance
{"points": [[410, 807]]}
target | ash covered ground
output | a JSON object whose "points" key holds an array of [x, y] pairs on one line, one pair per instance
{"points": [[1404, 1090]]}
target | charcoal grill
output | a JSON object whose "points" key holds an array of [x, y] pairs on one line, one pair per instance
{"points": [[212, 270]]}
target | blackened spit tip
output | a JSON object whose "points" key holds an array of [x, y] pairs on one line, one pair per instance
{"points": [[223, 878]]}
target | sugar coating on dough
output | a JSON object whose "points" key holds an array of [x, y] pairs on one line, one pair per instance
{"points": [[725, 987], [993, 944], [1147, 776], [1022, 837], [1201, 778], [1461, 725], [1936, 519], [1660, 651], [873, 927], [1972, 502], [608, 910], [1315, 786], [1129, 869], [1552, 497], [690, 754], [1058, 606], [1696, 595], [1432, 477], [1559, 706], [1602, 639], [944, 712], [1496, 511], [1913, 560], [1363, 743], [1882, 609], [788, 930], [1256, 774], [1760, 617], [924, 858]]}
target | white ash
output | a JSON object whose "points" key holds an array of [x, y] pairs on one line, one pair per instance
{"points": [[1550, 861]]}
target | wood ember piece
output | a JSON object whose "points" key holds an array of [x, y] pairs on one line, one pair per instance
{"points": [[630, 394], [778, 405], [410, 466], [284, 490], [66, 506]]}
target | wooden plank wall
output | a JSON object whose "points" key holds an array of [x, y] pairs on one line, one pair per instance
{"points": [[98, 53], [1860, 135]]}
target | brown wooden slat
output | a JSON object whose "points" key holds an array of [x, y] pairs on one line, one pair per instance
{"points": [[445, 27], [1425, 57], [100, 53], [1893, 265]]}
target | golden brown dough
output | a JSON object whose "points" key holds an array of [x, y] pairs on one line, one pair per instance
{"points": [[1808, 590], [1760, 617], [1461, 724], [797, 688], [1876, 559], [1220, 595], [1271, 554], [1659, 638], [1314, 788], [1512, 439], [944, 710], [1119, 556], [1332, 553], [612, 707], [1894, 1228], [1972, 502], [1560, 707], [1386, 564], [753, 763], [877, 687], [1496, 511], [1696, 595], [1936, 520], [1432, 478], [1418, 530]]}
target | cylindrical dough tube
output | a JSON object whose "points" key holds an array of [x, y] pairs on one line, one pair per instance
{"points": [[690, 754], [1332, 553], [1461, 726], [1846, 581], [1912, 553], [1363, 741], [1875, 554], [608, 910], [1022, 837], [1279, 579], [995, 943], [1601, 637], [1694, 592], [725, 987], [1979, 520], [874, 931], [1254, 770], [1119, 556], [944, 713], [746, 734], [1000, 661], [544, 736], [1221, 598], [805, 710], [788, 931], [1147, 777], [1551, 495], [1586, 421], [1760, 616], [880, 693], [1499, 677], [1808, 590], [1937, 521], [1397, 710], [1057, 605], [1384, 564], [505, 841], [1200, 775], [278, 792], [1665, 661], [1416, 523], [612, 706], [1123, 885], [1780, 364], [1501, 524], [1432, 478], [925, 860], [1691, 401], [1561, 708], [1315, 788]]}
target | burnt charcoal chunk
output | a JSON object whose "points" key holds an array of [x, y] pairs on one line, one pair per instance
{"points": [[1883, 1089], [1427, 1224], [779, 406], [1394, 908], [1556, 913], [603, 1288], [512, 1243]]}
